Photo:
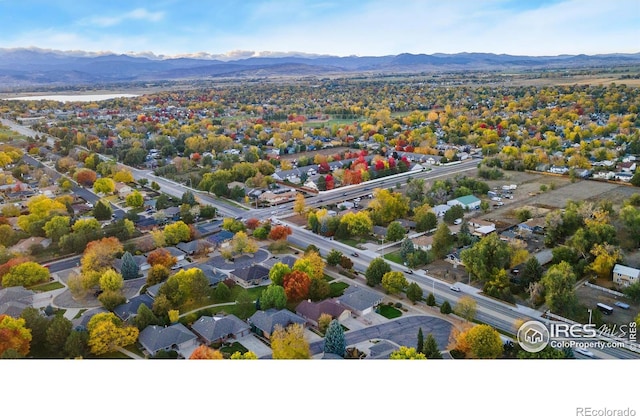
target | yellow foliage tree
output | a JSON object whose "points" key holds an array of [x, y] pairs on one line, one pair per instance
{"points": [[107, 333], [289, 343]]}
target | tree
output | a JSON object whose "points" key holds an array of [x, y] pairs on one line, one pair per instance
{"points": [[532, 272], [442, 241], [107, 333], [486, 257], [130, 269], [102, 211], [232, 225], [14, 335], [312, 264], [245, 305], [273, 296], [104, 185], [319, 289], [431, 299], [57, 333], [334, 342], [85, 177], [187, 285], [346, 263], [25, 274], [394, 282], [430, 349], [134, 200], [605, 257], [357, 224], [414, 292], [425, 218], [289, 343], [205, 353], [77, 344], [99, 254], [296, 285], [376, 270], [559, 283], [157, 274], [57, 227], [445, 308], [161, 257], [176, 233], [395, 231], [37, 323], [280, 232], [334, 257], [453, 214], [188, 198], [420, 344], [241, 244], [299, 206], [406, 249], [222, 292], [145, 317], [466, 308], [407, 353], [480, 341], [110, 299], [388, 206], [111, 280], [278, 272], [249, 355]]}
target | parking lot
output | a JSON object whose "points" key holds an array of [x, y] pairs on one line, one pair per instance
{"points": [[589, 297]]}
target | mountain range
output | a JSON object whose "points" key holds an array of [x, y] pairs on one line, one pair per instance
{"points": [[37, 67]]}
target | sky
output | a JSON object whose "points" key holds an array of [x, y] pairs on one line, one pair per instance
{"points": [[231, 29]]}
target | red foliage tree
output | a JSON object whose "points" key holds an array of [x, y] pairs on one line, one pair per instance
{"points": [[392, 163], [329, 181], [86, 177], [296, 285], [324, 168], [379, 165], [279, 232], [4, 268], [252, 223], [161, 256], [196, 157]]}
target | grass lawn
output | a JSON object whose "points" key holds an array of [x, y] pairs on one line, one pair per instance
{"points": [[134, 349], [351, 242], [46, 287], [394, 257], [230, 349], [113, 355], [327, 278], [389, 311], [79, 314], [337, 288]]}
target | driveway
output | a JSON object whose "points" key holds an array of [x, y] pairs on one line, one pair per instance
{"points": [[253, 344]]}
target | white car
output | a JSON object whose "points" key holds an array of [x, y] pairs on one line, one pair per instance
{"points": [[454, 288], [584, 352]]}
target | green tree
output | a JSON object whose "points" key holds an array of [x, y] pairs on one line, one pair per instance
{"points": [[532, 272], [57, 333], [420, 345], [134, 200], [430, 349], [245, 305], [425, 218], [376, 270], [486, 257], [145, 317], [453, 214], [130, 269], [442, 241], [406, 249], [57, 227], [102, 211], [395, 231], [559, 284], [394, 282], [157, 274], [77, 344], [445, 308], [334, 257], [407, 353], [289, 343], [277, 273], [37, 323], [414, 292], [431, 299], [110, 299], [334, 342], [273, 296], [319, 289], [222, 292]]}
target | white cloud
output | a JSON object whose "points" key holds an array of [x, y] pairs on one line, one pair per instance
{"points": [[137, 14]]}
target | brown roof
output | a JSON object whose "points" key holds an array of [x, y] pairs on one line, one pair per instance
{"points": [[313, 310]]}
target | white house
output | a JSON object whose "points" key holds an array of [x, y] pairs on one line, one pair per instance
{"points": [[625, 275]]}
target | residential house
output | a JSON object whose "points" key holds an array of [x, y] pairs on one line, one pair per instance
{"points": [[123, 190], [213, 275], [14, 300], [220, 238], [625, 275], [440, 210], [253, 275], [178, 254], [311, 311], [194, 247], [264, 322], [623, 176], [176, 337], [533, 225], [220, 328], [270, 198], [360, 301], [424, 242], [484, 230], [381, 350], [24, 246], [171, 213], [559, 169], [129, 310], [467, 202]]}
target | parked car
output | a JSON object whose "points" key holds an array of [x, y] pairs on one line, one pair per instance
{"points": [[354, 254], [409, 271], [622, 305]]}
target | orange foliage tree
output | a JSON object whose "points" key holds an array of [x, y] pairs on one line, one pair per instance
{"points": [[161, 256], [4, 268], [279, 232], [86, 177], [99, 254], [14, 335], [205, 353], [296, 285]]}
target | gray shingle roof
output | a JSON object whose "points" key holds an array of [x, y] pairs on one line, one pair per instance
{"points": [[359, 299], [267, 320], [213, 328], [155, 338], [254, 272], [126, 310]]}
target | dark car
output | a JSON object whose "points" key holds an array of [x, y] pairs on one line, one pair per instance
{"points": [[354, 254]]}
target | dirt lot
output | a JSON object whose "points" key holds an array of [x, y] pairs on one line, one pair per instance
{"points": [[589, 297]]}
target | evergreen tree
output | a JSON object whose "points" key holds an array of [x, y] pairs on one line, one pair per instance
{"points": [[102, 211], [406, 248], [414, 293], [430, 348], [130, 268], [420, 346], [145, 317], [188, 198], [222, 291], [334, 342], [445, 308], [431, 300]]}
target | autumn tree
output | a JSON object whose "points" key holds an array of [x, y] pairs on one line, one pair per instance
{"points": [[123, 175], [25, 274], [110, 280], [605, 257], [406, 353], [273, 296], [296, 285], [357, 224], [104, 186], [388, 206], [319, 289], [205, 353], [14, 335], [394, 282], [376, 270], [486, 257], [107, 332], [187, 285], [161, 257], [299, 205], [99, 254], [176, 233], [289, 343], [466, 308], [334, 257], [242, 244], [425, 218], [334, 341], [312, 264], [57, 227], [278, 272], [280, 232], [85, 177], [249, 355], [134, 200]]}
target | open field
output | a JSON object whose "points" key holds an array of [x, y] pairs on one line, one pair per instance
{"points": [[310, 155]]}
